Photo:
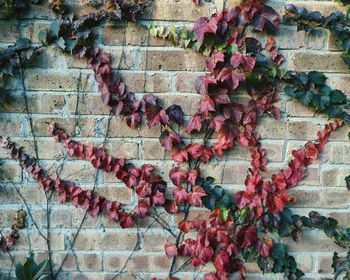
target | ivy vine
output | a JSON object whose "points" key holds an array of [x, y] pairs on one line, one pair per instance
{"points": [[245, 226]]}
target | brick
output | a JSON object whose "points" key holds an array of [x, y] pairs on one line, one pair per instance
{"points": [[271, 129], [320, 61], [32, 30], [33, 195], [9, 127], [137, 263], [154, 241], [132, 34], [302, 130], [117, 241], [340, 82], [334, 176], [295, 109], [185, 82], [56, 80], [79, 127], [152, 149], [46, 103], [70, 263], [324, 7], [312, 243], [324, 264], [178, 10], [90, 262], [121, 194], [175, 60], [37, 241], [11, 171], [9, 33]]}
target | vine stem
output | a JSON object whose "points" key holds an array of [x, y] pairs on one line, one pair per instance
{"points": [[30, 119], [8, 252]]}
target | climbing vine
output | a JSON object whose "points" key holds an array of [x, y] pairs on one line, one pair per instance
{"points": [[243, 227]]}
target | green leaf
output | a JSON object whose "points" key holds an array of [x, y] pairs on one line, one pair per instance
{"points": [[346, 58], [61, 43], [317, 78], [338, 97], [217, 192], [290, 91], [224, 214], [307, 98], [22, 43], [278, 251], [42, 36], [347, 181]]}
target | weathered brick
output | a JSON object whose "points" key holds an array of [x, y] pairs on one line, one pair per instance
{"points": [[10, 126], [78, 127], [90, 262], [334, 176], [57, 80], [312, 243], [320, 61], [32, 30], [339, 81], [185, 82], [178, 10], [9, 32], [324, 264], [174, 60]]}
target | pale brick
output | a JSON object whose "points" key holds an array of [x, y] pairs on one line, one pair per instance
{"points": [[175, 60], [90, 262], [320, 61]]}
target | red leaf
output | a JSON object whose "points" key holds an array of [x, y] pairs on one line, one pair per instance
{"points": [[185, 226], [170, 250], [158, 199], [268, 20], [203, 26], [180, 195], [264, 247], [168, 141], [246, 236], [133, 120], [217, 122], [206, 105], [159, 117], [214, 59], [231, 77], [203, 82], [179, 155], [195, 123], [195, 197], [178, 176]]}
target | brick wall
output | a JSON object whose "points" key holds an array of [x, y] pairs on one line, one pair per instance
{"points": [[63, 89]]}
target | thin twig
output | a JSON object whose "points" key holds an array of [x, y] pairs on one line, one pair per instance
{"points": [[27, 207], [8, 252]]}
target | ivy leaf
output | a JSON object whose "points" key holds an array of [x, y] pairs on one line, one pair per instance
{"points": [[338, 97], [278, 251], [175, 114], [268, 20], [347, 180], [317, 78], [224, 212]]}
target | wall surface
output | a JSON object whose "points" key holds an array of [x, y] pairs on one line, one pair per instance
{"points": [[63, 89]]}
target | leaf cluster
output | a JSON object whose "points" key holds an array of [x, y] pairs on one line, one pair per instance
{"points": [[33, 271], [337, 23], [216, 197], [341, 265], [312, 91], [13, 6], [13, 56]]}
